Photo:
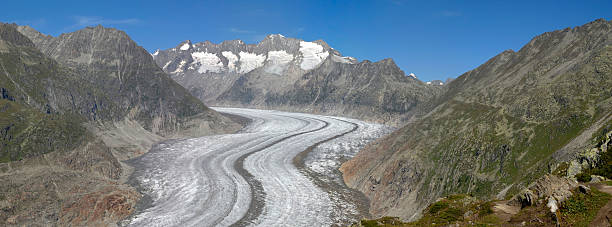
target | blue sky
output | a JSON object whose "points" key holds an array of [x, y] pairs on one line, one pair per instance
{"points": [[433, 39]]}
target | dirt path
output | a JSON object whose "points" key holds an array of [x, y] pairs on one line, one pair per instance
{"points": [[504, 211], [604, 216]]}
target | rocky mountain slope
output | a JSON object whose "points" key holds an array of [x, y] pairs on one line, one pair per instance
{"points": [[37, 100], [498, 127], [288, 73], [109, 59], [71, 108]]}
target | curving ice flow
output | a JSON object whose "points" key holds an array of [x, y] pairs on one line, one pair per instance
{"points": [[244, 179]]}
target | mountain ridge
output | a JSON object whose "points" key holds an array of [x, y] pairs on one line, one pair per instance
{"points": [[109, 58], [496, 128], [267, 75]]}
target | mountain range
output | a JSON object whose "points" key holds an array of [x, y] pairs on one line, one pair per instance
{"points": [[489, 133], [292, 74], [72, 107]]}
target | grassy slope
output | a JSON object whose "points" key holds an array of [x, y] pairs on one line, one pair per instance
{"points": [[31, 124], [578, 210], [26, 132], [497, 127], [515, 144]]}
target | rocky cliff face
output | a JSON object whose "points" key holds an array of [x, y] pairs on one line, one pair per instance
{"points": [[287, 73], [497, 127], [72, 107]]}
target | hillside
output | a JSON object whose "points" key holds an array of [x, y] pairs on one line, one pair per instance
{"points": [[498, 127], [110, 60], [43, 104], [70, 115]]}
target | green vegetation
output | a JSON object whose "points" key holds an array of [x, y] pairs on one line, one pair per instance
{"points": [[30, 123], [604, 166], [25, 132], [499, 126], [510, 136], [516, 150], [458, 208], [561, 170], [583, 177], [383, 222], [580, 208]]}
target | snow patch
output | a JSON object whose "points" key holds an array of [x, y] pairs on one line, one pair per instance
{"points": [[352, 59], [166, 65], [412, 75], [312, 55], [208, 62], [345, 60], [428, 82], [272, 36], [185, 46], [156, 53], [250, 61], [277, 61], [232, 59], [279, 57], [180, 67]]}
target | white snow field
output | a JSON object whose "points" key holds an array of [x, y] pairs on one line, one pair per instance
{"points": [[249, 178]]}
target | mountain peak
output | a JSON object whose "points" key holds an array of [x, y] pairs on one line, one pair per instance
{"points": [[600, 20], [387, 61], [10, 34], [234, 41], [272, 36], [322, 43], [185, 45], [99, 27]]}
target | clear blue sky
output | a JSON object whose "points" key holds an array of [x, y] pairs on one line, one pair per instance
{"points": [[433, 39]]}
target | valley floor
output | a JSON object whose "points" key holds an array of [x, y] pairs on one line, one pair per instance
{"points": [[280, 170]]}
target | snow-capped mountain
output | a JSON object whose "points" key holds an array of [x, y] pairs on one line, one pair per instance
{"points": [[275, 54], [274, 73]]}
